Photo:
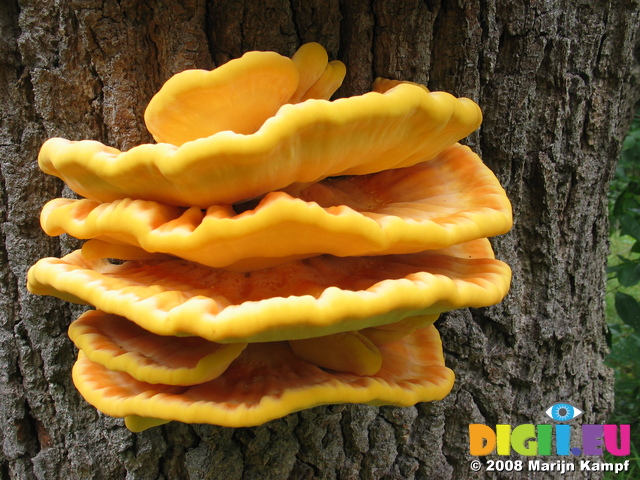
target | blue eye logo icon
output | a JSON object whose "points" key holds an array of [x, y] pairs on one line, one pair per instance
{"points": [[563, 412]]}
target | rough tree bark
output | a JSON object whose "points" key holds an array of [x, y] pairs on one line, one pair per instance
{"points": [[556, 80]]}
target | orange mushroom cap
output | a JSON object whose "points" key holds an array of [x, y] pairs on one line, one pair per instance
{"points": [[267, 382], [302, 143], [121, 345], [319, 78], [239, 95], [356, 352], [307, 298], [197, 103], [451, 199], [350, 352]]}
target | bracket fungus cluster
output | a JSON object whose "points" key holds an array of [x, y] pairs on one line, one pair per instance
{"points": [[276, 250]]}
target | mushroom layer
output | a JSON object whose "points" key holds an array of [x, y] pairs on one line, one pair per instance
{"points": [[196, 103], [451, 199], [319, 78], [350, 352], [301, 299], [302, 143], [121, 345], [267, 381]]}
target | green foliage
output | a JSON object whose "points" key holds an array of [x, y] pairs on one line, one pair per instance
{"points": [[623, 295]]}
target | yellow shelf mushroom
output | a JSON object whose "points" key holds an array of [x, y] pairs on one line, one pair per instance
{"points": [[268, 227], [302, 143], [121, 345], [412, 371], [319, 78], [300, 299], [240, 95], [451, 199], [350, 352], [196, 103]]}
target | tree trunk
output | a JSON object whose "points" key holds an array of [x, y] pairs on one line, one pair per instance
{"points": [[556, 81]]}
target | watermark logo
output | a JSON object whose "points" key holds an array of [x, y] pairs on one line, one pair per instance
{"points": [[563, 412], [560, 439]]}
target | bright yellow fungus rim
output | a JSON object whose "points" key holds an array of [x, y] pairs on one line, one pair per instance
{"points": [[301, 299], [413, 371], [451, 199], [121, 345], [301, 144]]}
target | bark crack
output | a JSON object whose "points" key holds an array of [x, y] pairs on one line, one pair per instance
{"points": [[295, 20], [375, 28]]}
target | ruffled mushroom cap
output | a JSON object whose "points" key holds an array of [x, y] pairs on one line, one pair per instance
{"points": [[319, 78], [301, 144], [100, 249], [267, 382], [121, 345], [197, 103], [307, 298], [350, 352], [451, 199], [356, 352], [239, 95]]}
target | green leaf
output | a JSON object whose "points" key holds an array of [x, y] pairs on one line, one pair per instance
{"points": [[629, 143], [625, 203], [614, 269], [630, 226], [629, 274], [628, 309], [634, 188]]}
